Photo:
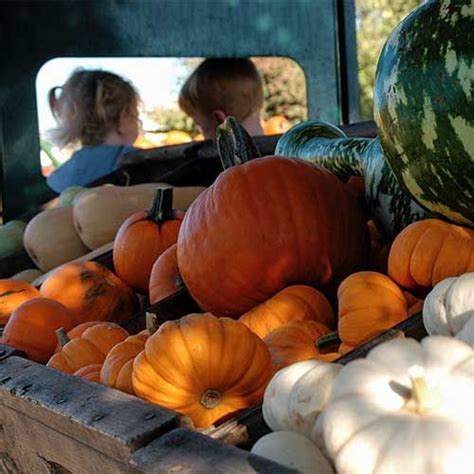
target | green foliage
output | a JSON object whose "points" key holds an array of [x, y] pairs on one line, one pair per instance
{"points": [[172, 119], [375, 21], [284, 88]]}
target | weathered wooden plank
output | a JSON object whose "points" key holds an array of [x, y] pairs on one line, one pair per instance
{"points": [[102, 418], [7, 351], [187, 451]]}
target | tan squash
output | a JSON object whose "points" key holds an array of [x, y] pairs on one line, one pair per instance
{"points": [[99, 212], [50, 238]]}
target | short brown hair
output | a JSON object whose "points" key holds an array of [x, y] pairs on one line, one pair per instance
{"points": [[232, 85], [88, 105]]}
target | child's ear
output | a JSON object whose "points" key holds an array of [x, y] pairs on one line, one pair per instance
{"points": [[219, 115]]}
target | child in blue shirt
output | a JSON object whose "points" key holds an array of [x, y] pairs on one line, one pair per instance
{"points": [[99, 111]]}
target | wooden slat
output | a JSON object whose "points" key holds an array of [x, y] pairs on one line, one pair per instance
{"points": [[104, 419], [186, 451]]}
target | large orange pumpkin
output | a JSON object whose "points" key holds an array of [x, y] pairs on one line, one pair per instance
{"points": [[369, 303], [32, 327], [116, 371], [143, 237], [297, 341], [13, 293], [91, 291], [204, 367], [264, 225], [294, 303], [89, 349], [429, 251], [164, 278]]}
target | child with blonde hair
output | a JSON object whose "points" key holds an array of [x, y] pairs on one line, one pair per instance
{"points": [[97, 110], [220, 87]]}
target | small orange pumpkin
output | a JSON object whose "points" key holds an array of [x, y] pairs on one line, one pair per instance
{"points": [[429, 251], [143, 237], [369, 303], [88, 349], [296, 341], [13, 293], [117, 368], [91, 291], [164, 278], [204, 367], [294, 303], [276, 124], [76, 331], [89, 372], [32, 327]]}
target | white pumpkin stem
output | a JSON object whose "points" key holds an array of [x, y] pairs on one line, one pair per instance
{"points": [[422, 397], [151, 322], [210, 399], [62, 337]]}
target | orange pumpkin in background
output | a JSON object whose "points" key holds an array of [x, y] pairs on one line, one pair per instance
{"points": [[91, 291], [13, 293], [428, 251], [164, 277], [276, 125], [294, 303], [90, 348], [143, 237], [369, 303], [32, 327], [297, 341], [204, 367]]}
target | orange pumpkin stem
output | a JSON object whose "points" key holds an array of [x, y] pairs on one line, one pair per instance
{"points": [[328, 339], [151, 323], [234, 144], [62, 336], [162, 207], [210, 399]]}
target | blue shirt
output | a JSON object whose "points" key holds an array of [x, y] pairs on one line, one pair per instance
{"points": [[86, 165]]}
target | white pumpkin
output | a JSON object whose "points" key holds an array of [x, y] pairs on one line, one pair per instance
{"points": [[407, 408], [28, 275], [297, 394], [449, 306], [50, 238], [292, 450], [466, 334]]}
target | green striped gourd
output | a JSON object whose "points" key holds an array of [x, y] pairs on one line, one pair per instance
{"points": [[328, 146], [424, 106], [424, 110]]}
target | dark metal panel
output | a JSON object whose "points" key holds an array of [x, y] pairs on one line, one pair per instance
{"points": [[31, 33]]}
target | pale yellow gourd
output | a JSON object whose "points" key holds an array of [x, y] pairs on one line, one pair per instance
{"points": [[406, 408], [294, 451], [449, 308], [99, 212], [50, 238], [297, 394]]}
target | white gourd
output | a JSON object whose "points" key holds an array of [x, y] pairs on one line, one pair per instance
{"points": [[292, 450], [449, 306], [406, 408]]}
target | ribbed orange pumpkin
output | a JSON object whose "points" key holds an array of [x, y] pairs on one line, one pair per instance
{"points": [[429, 251], [264, 225], [369, 303], [296, 341], [143, 237], [88, 349], [295, 303], [89, 372], [13, 293], [32, 327], [204, 367], [164, 276], [117, 368], [76, 331], [91, 291]]}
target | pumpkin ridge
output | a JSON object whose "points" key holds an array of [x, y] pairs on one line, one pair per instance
{"points": [[11, 292]]}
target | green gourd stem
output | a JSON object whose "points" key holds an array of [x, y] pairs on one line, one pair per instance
{"points": [[234, 144], [328, 339], [62, 337], [162, 207], [151, 323]]}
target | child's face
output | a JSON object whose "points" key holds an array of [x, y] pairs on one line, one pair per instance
{"points": [[206, 123], [129, 126]]}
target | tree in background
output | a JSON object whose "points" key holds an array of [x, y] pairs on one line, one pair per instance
{"points": [[375, 21]]}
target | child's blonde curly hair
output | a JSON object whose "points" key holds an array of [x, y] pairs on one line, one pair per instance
{"points": [[89, 105]]}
